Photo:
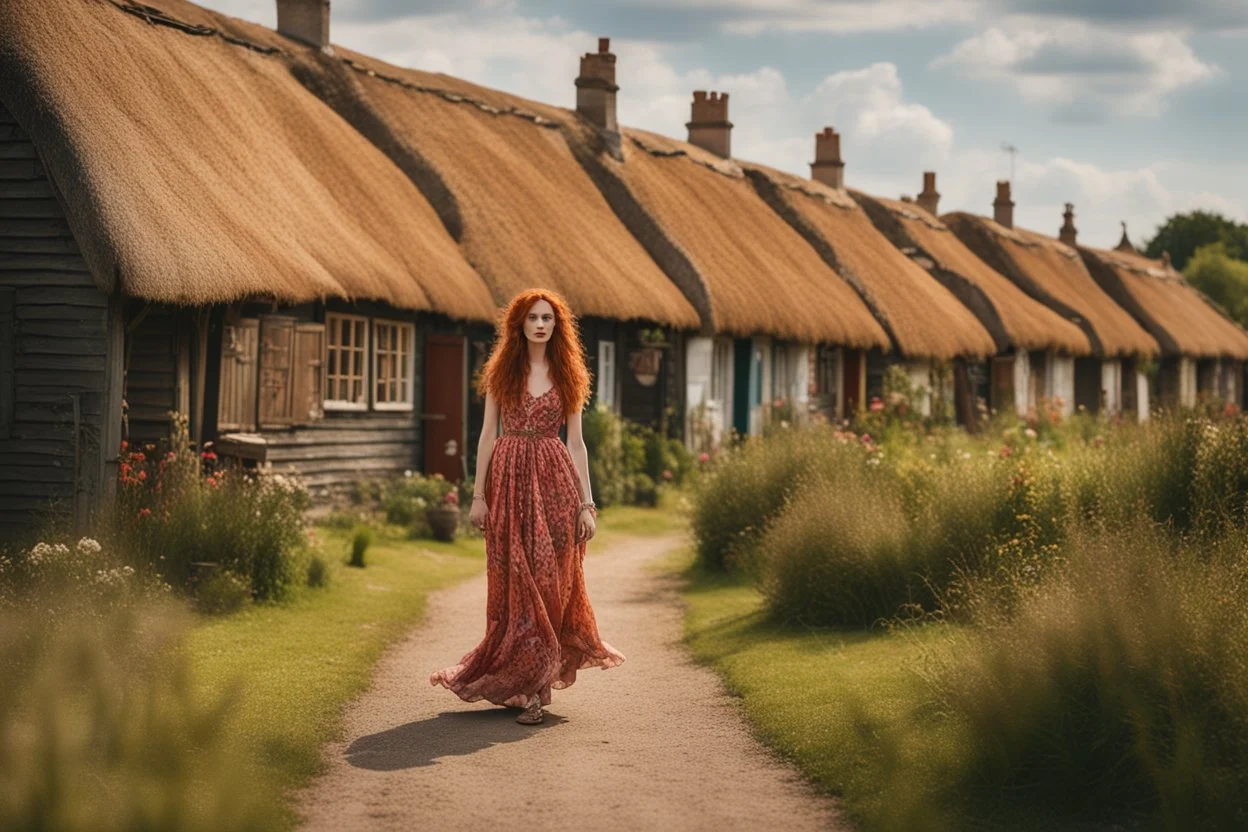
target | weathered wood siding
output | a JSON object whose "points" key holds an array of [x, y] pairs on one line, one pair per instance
{"points": [[55, 364], [153, 386], [338, 449]]}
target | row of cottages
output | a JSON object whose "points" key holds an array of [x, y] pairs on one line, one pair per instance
{"points": [[1029, 337], [1108, 379], [184, 226], [1202, 350]]}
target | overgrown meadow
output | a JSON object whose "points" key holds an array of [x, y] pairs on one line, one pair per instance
{"points": [[1079, 589]]}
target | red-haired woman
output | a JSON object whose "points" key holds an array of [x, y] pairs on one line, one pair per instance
{"points": [[533, 500]]}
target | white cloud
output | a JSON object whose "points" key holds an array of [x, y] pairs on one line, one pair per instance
{"points": [[1081, 70]]}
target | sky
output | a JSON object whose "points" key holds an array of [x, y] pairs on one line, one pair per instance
{"points": [[1133, 110]]}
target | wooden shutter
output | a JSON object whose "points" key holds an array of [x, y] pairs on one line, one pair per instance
{"points": [[8, 350], [239, 352], [308, 373], [277, 345]]}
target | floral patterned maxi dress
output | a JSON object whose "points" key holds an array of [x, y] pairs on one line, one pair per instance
{"points": [[539, 627]]}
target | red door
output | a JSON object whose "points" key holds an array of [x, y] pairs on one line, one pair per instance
{"points": [[444, 406]]}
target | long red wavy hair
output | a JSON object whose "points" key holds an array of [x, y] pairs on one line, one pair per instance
{"points": [[506, 372]]}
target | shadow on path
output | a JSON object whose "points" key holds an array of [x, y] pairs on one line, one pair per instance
{"points": [[449, 734]]}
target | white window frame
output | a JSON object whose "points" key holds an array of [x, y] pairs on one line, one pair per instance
{"points": [[332, 326], [410, 380], [606, 373]]}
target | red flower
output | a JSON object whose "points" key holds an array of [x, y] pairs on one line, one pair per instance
{"points": [[1005, 452], [210, 455], [172, 456], [866, 439], [667, 474], [704, 457], [145, 512], [124, 444], [142, 475], [876, 404], [452, 498]]}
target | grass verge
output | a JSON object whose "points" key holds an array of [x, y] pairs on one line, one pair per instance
{"points": [[846, 707], [299, 663]]}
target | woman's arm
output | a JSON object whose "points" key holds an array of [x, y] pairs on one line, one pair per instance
{"points": [[485, 449], [580, 455], [586, 519]]}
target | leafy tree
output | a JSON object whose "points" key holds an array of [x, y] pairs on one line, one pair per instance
{"points": [[1221, 277], [1182, 234]]}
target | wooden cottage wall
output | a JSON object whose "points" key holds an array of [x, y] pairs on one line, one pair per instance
{"points": [[59, 356], [334, 450]]}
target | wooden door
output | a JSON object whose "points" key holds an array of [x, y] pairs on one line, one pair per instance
{"points": [[236, 407], [443, 414], [277, 347]]}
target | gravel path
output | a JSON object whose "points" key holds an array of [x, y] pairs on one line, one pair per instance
{"points": [[655, 743]]}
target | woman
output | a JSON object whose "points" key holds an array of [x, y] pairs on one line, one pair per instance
{"points": [[532, 498]]}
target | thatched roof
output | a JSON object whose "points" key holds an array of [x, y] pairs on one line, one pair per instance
{"points": [[922, 317], [1181, 318], [1053, 273], [1014, 319], [749, 271], [505, 182], [195, 169]]}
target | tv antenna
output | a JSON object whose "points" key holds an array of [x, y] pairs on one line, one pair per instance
{"points": [[1013, 151]]}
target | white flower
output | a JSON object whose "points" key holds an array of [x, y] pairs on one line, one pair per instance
{"points": [[1030, 433], [408, 474], [89, 546]]}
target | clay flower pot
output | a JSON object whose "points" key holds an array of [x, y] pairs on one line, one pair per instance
{"points": [[443, 520]]}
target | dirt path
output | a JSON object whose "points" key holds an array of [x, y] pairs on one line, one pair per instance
{"points": [[653, 744]]}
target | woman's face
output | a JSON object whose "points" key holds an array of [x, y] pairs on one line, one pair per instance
{"points": [[540, 322]]}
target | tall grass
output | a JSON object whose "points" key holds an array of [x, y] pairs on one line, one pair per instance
{"points": [[1116, 686], [101, 724]]}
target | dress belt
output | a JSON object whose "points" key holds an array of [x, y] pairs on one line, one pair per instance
{"points": [[531, 434]]}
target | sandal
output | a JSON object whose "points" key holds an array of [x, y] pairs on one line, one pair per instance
{"points": [[533, 714]]}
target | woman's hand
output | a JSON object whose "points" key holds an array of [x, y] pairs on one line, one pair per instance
{"points": [[586, 526], [479, 513]]}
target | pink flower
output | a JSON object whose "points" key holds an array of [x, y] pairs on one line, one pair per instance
{"points": [[1005, 452], [145, 512], [866, 439], [704, 457], [876, 404], [667, 474], [209, 455], [452, 498]]}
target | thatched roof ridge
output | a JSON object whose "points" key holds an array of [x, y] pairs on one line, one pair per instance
{"points": [[701, 218], [1182, 319], [195, 169], [1054, 274], [922, 317], [500, 173], [1014, 319]]}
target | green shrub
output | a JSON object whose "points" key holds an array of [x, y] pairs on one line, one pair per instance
{"points": [[361, 539], [222, 592], [318, 571], [406, 498], [103, 727], [170, 515], [1119, 684]]}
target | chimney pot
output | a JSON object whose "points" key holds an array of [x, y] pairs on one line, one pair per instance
{"points": [[1069, 234], [596, 87], [1003, 206], [929, 198], [306, 21], [828, 166], [709, 127]]}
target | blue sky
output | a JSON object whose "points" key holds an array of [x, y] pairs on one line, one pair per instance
{"points": [[1131, 109]]}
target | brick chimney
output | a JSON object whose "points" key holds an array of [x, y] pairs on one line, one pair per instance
{"points": [[1069, 233], [828, 167], [709, 127], [1125, 243], [596, 87], [929, 198], [304, 20], [1003, 206]]}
